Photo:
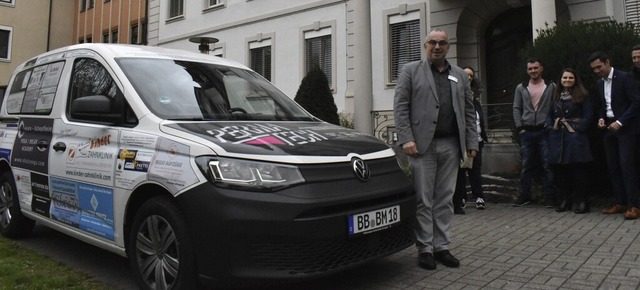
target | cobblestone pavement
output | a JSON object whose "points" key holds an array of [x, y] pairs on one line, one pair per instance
{"points": [[502, 247], [505, 247]]}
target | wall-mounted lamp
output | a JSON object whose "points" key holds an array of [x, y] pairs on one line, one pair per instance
{"points": [[203, 42]]}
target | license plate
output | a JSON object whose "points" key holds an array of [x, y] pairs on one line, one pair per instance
{"points": [[375, 220]]}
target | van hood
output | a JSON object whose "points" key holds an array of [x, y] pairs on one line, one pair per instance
{"points": [[282, 138]]}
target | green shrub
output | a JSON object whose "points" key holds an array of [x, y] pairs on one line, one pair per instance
{"points": [[315, 96], [346, 120], [571, 45]]}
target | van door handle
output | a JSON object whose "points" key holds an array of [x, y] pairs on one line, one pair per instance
{"points": [[42, 145], [59, 147]]}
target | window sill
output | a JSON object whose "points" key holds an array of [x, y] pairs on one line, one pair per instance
{"points": [[213, 8], [175, 19]]}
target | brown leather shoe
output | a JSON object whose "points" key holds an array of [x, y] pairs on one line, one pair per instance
{"points": [[618, 208], [632, 214]]}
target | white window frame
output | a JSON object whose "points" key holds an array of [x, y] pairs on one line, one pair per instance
{"points": [[262, 40], [314, 30], [218, 4], [9, 43], [179, 16], [10, 3], [402, 13]]}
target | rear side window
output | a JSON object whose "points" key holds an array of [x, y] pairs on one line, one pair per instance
{"points": [[34, 89]]}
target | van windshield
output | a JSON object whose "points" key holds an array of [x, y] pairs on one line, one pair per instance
{"points": [[185, 90]]}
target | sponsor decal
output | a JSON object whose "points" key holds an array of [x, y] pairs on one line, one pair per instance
{"points": [[265, 134], [31, 148], [134, 159], [41, 200], [83, 206], [293, 138], [92, 160], [171, 166]]}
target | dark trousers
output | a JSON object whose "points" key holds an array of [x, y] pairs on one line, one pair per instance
{"points": [[620, 151], [572, 181], [534, 148], [475, 180]]}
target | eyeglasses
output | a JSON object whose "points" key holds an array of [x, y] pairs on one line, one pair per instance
{"points": [[434, 43]]}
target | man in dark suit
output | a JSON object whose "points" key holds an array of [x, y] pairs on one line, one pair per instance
{"points": [[620, 116], [435, 123]]}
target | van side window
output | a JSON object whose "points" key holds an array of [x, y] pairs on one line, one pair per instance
{"points": [[90, 80], [34, 89]]}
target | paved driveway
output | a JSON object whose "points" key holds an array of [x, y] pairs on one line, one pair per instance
{"points": [[501, 247]]}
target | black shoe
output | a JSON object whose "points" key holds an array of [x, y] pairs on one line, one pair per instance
{"points": [[458, 210], [521, 202], [583, 207], [564, 206], [426, 261], [447, 259]]}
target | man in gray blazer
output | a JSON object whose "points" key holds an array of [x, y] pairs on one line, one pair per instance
{"points": [[435, 123]]}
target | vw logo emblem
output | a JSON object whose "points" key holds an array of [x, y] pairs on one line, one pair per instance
{"points": [[360, 169]]}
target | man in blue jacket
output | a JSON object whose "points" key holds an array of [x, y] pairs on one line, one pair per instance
{"points": [[620, 117]]}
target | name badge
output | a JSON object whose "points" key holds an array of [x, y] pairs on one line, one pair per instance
{"points": [[453, 78]]}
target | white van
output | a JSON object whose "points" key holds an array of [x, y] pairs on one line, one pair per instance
{"points": [[196, 168]]}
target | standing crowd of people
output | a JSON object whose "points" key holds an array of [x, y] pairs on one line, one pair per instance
{"points": [[440, 127]]}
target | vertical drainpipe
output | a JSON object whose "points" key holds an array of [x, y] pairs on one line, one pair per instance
{"points": [[49, 25], [146, 21], [362, 87]]}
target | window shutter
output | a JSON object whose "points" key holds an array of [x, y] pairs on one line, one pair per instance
{"points": [[632, 12], [405, 45], [261, 61], [318, 52]]}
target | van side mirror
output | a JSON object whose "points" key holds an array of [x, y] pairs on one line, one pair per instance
{"points": [[96, 108]]}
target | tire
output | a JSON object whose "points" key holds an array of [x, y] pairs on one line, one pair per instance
{"points": [[12, 223], [159, 247]]}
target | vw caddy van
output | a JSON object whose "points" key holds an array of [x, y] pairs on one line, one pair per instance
{"points": [[194, 167]]}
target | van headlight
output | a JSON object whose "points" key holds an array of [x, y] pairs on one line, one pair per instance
{"points": [[251, 175]]}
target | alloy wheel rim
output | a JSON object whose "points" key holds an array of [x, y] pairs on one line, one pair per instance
{"points": [[6, 201], [157, 253]]}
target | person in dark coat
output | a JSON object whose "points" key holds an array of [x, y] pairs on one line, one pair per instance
{"points": [[568, 120], [475, 174]]}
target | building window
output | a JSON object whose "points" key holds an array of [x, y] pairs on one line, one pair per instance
{"points": [[176, 8], [319, 48], [92, 3], [402, 38], [105, 37], [318, 52], [10, 3], [5, 43], [404, 45], [632, 12], [211, 3], [134, 34], [114, 36], [89, 40], [83, 5], [260, 61]]}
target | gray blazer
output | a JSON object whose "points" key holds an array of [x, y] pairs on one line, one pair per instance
{"points": [[416, 106]]}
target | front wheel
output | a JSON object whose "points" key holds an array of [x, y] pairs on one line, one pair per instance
{"points": [[12, 223], [159, 247]]}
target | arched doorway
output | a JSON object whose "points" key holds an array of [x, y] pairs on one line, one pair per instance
{"points": [[505, 37]]}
